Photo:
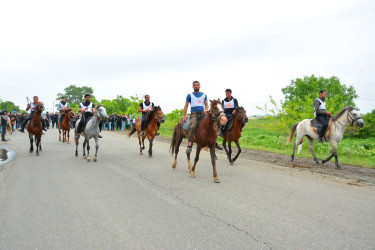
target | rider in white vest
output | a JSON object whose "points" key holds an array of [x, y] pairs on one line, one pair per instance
{"points": [[199, 106], [31, 107], [321, 114], [145, 107], [87, 109], [230, 104], [62, 106]]}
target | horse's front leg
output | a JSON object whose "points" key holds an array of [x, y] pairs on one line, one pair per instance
{"points": [[150, 148], [177, 149], [225, 148], [140, 143], [68, 136], [88, 150], [37, 141], [196, 159], [96, 148], [31, 143], [84, 149], [239, 150], [334, 149], [230, 152], [212, 151], [143, 142], [76, 139]]}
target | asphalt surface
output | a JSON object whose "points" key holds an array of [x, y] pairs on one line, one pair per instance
{"points": [[128, 201]]}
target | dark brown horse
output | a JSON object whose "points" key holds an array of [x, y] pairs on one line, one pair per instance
{"points": [[152, 119], [234, 133], [65, 125], [205, 136], [35, 128]]}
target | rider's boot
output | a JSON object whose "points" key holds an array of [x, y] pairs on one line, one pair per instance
{"points": [[142, 133], [100, 136], [218, 146], [189, 149], [320, 140], [157, 133]]}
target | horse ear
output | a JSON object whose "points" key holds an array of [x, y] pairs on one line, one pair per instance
{"points": [[210, 100], [218, 99]]}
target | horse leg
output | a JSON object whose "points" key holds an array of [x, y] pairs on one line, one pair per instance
{"points": [[150, 148], [189, 162], [40, 144], [58, 126], [140, 143], [37, 141], [76, 139], [239, 150], [334, 149], [298, 141], [225, 148], [192, 170], [31, 143], [230, 152], [68, 136], [177, 149], [311, 148], [84, 149], [328, 158], [212, 151], [96, 148], [143, 142], [88, 151]]}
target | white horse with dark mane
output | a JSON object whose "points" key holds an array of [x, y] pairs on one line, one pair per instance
{"points": [[91, 131], [348, 116]]}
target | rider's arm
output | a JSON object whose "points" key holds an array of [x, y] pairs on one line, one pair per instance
{"points": [[205, 106], [28, 107], [185, 109]]}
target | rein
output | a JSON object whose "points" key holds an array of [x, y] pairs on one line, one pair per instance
{"points": [[347, 117]]}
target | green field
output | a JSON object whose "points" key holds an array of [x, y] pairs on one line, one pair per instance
{"points": [[260, 134]]}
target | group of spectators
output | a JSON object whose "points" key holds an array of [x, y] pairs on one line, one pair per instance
{"points": [[119, 122], [10, 121]]}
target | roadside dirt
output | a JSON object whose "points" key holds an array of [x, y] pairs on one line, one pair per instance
{"points": [[355, 175]]}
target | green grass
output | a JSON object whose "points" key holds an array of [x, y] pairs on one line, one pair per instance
{"points": [[261, 134]]}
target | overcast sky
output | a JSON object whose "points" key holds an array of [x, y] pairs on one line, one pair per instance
{"points": [[160, 47]]}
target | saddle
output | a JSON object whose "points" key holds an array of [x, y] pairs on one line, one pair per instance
{"points": [[317, 126], [186, 125]]}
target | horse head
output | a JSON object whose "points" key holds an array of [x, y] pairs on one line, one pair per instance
{"points": [[241, 115], [356, 118], [70, 113], [101, 112], [158, 114], [217, 110], [39, 107]]}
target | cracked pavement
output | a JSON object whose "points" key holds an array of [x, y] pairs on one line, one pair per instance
{"points": [[58, 201]]}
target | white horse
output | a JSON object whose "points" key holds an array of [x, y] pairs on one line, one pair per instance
{"points": [[334, 133], [91, 131]]}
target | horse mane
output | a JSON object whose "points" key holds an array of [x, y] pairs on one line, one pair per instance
{"points": [[342, 111], [150, 115], [213, 102]]}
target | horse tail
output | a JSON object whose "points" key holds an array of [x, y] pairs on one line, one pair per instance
{"points": [[292, 132], [132, 132], [175, 136]]}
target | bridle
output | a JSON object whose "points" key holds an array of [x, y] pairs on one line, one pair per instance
{"points": [[99, 115], [217, 116], [351, 120]]}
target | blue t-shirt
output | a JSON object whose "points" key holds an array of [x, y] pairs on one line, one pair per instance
{"points": [[198, 105]]}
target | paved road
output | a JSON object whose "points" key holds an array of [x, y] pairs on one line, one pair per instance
{"points": [[127, 201]]}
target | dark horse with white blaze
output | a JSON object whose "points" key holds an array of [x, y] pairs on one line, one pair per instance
{"points": [[91, 131], [205, 136], [35, 128], [153, 117], [233, 134], [348, 116]]}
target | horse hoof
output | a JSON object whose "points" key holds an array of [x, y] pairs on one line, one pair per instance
{"points": [[31, 151], [232, 163], [140, 153], [37, 154], [216, 180], [84, 157], [95, 159], [150, 156], [317, 163], [339, 167], [143, 148], [174, 164], [192, 175], [323, 161], [292, 159], [88, 159]]}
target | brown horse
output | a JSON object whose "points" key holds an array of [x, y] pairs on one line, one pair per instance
{"points": [[152, 119], [205, 136], [234, 133], [66, 115], [35, 128]]}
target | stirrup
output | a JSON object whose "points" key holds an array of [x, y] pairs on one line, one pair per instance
{"points": [[320, 140], [142, 133], [189, 149]]}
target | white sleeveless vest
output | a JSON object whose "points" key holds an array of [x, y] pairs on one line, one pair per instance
{"points": [[145, 107], [229, 105], [89, 107], [321, 106], [197, 101], [32, 106]]}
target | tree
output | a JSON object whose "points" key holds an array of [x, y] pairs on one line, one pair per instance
{"points": [[74, 94], [9, 106], [302, 92]]}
